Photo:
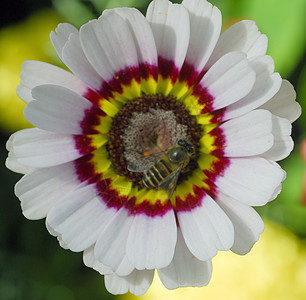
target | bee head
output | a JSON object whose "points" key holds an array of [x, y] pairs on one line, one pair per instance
{"points": [[186, 145]]}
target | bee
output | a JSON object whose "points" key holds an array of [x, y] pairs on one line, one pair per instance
{"points": [[164, 172]]}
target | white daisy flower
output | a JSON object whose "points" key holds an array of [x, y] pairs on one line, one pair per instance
{"points": [[150, 154]]}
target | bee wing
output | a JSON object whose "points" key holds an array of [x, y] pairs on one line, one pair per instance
{"points": [[144, 162], [169, 182], [134, 167]]}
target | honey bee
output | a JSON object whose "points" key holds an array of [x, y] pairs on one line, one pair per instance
{"points": [[164, 172]]}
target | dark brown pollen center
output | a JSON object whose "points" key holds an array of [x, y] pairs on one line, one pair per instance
{"points": [[148, 125]]}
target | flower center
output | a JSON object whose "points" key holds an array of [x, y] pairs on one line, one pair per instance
{"points": [[144, 129]]}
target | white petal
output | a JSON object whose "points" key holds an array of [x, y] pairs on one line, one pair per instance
{"points": [[12, 164], [11, 161], [108, 45], [53, 232], [37, 148], [91, 262], [248, 225], [142, 34], [40, 190], [252, 180], [57, 235], [206, 229], [250, 134], [259, 46], [262, 64], [171, 28], [185, 270], [242, 36], [137, 283], [57, 109], [68, 47], [9, 143], [152, 240], [283, 104], [79, 217], [205, 27], [267, 84], [34, 73], [229, 79], [125, 267], [60, 37], [111, 243], [75, 59], [283, 143]]}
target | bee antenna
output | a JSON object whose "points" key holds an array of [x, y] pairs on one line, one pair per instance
{"points": [[182, 142], [190, 149]]}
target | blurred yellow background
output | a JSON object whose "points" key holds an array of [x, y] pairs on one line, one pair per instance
{"points": [[19, 42], [275, 269]]}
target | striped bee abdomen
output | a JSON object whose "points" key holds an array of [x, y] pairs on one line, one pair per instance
{"points": [[156, 174]]}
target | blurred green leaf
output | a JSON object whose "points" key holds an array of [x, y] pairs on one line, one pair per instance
{"points": [[141, 5], [122, 3], [283, 22], [301, 91], [74, 11]]}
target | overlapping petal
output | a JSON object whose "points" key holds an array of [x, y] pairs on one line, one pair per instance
{"points": [[267, 84], [138, 282], [39, 149], [91, 262], [252, 180], [151, 241], [35, 73], [206, 229], [283, 143], [170, 27], [248, 135], [283, 103], [60, 37], [41, 189], [112, 252], [79, 217], [227, 81], [242, 36], [108, 45], [57, 109], [246, 221], [205, 22], [185, 270]]}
